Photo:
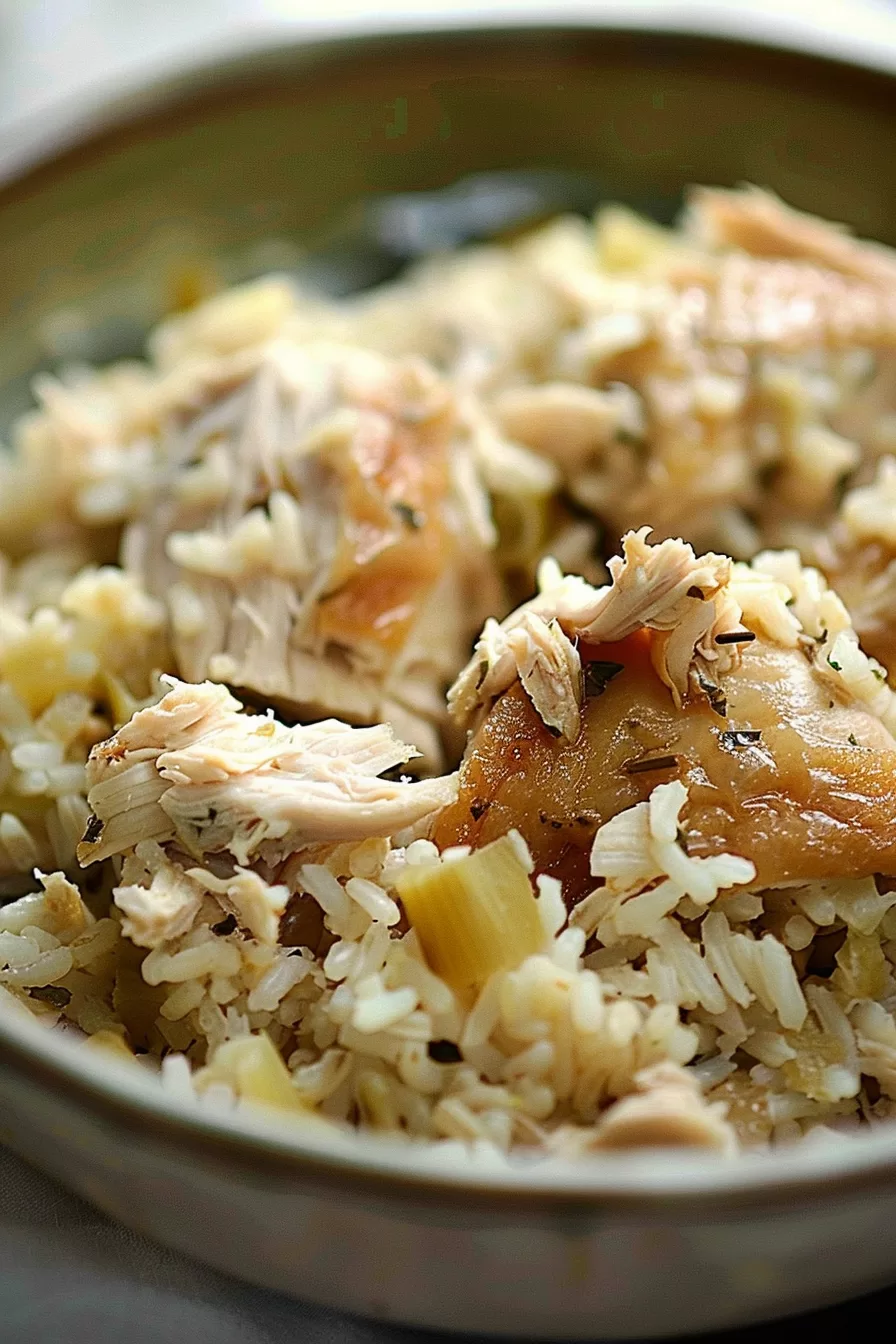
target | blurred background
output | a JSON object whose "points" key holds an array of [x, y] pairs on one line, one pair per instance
{"points": [[53, 49]]}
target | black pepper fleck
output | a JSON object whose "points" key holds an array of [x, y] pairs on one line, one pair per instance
{"points": [[93, 830], [444, 1052], [598, 676], [54, 994], [410, 515]]}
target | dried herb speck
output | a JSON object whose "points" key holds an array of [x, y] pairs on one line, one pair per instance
{"points": [[741, 737], [852, 740], [411, 516], [656, 763], [715, 695], [736, 637], [93, 830], [598, 676]]}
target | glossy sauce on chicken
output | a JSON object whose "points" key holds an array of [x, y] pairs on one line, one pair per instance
{"points": [[779, 771]]}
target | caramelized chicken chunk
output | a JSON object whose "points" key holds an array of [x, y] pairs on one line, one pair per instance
{"points": [[779, 768]]}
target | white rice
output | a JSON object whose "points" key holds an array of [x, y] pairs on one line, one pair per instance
{"points": [[671, 961]]}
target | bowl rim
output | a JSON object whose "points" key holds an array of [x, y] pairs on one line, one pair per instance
{"points": [[267, 1143], [863, 38]]}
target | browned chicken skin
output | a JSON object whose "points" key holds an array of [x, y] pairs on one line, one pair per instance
{"points": [[810, 797]]}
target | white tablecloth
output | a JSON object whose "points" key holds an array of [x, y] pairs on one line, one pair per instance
{"points": [[70, 1275]]}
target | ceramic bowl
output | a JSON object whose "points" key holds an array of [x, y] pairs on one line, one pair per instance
{"points": [[245, 164]]}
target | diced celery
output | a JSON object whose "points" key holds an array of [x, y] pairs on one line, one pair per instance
{"points": [[113, 1042], [252, 1067], [473, 915]]}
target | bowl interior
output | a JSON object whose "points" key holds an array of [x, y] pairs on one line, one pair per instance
{"points": [[268, 159], [256, 162]]}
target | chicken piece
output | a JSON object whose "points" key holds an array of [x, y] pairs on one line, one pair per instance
{"points": [[666, 588], [758, 222], [307, 535], [756, 354], [158, 900], [194, 769], [785, 748], [566, 423], [666, 1111], [258, 906]]}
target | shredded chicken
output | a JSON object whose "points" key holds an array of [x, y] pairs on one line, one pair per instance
{"points": [[567, 423], [665, 588], [158, 900], [666, 1111], [749, 361], [62, 909], [193, 768], [549, 671], [257, 905], [301, 525], [786, 749], [758, 222]]}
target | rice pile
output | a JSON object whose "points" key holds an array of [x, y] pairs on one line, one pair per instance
{"points": [[310, 508]]}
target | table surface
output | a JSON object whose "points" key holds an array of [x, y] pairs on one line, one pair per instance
{"points": [[69, 1273], [66, 1271]]}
